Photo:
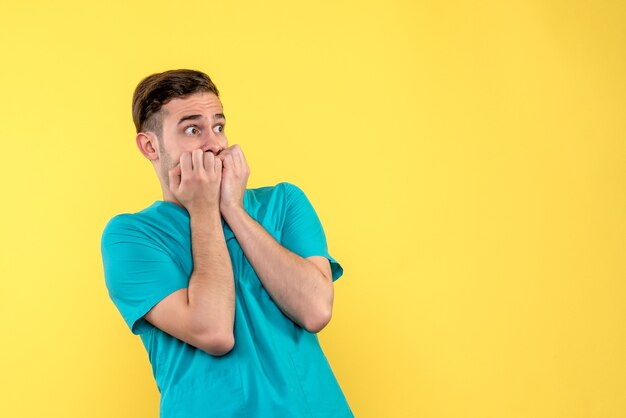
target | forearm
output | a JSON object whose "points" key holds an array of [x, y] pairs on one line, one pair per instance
{"points": [[296, 285], [211, 290]]}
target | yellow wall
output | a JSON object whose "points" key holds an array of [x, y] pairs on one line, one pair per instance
{"points": [[467, 159]]}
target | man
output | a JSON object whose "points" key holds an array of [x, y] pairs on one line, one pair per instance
{"points": [[226, 286]]}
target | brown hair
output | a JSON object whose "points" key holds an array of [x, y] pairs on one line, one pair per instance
{"points": [[156, 90]]}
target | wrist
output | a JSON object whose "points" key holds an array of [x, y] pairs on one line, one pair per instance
{"points": [[204, 213], [231, 211]]}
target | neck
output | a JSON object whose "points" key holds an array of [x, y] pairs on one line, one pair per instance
{"points": [[169, 197]]}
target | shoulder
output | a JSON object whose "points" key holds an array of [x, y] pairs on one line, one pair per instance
{"points": [[279, 187], [277, 193], [119, 231], [290, 188], [119, 224], [130, 224], [158, 212]]}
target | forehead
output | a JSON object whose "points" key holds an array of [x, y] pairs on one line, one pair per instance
{"points": [[205, 103]]}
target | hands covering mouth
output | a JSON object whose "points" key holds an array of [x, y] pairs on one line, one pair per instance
{"points": [[203, 181]]}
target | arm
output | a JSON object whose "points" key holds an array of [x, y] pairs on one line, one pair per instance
{"points": [[203, 314], [301, 287]]}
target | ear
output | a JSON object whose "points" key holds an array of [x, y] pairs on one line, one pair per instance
{"points": [[148, 145]]}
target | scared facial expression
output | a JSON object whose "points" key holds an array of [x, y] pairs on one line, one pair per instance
{"points": [[196, 121]]}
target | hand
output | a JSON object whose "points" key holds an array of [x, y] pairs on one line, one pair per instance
{"points": [[235, 173], [195, 181]]}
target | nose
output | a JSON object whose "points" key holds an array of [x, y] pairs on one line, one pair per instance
{"points": [[213, 147], [213, 144]]}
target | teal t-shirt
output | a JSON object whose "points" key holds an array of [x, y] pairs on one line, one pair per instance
{"points": [[276, 368]]}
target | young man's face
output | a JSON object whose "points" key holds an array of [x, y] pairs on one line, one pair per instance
{"points": [[196, 121]]}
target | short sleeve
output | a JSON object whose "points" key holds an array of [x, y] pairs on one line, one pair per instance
{"points": [[302, 230], [138, 271]]}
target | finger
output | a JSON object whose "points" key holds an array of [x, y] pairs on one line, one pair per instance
{"points": [[185, 165], [174, 176], [217, 166], [196, 160], [223, 154], [235, 157], [243, 159], [238, 153], [208, 160], [225, 157], [228, 162]]}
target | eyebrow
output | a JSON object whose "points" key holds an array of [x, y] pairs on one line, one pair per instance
{"points": [[196, 117]]}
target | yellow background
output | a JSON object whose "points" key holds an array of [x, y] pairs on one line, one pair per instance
{"points": [[466, 158]]}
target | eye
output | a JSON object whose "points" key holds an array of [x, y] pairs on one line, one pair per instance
{"points": [[192, 130], [218, 129]]}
